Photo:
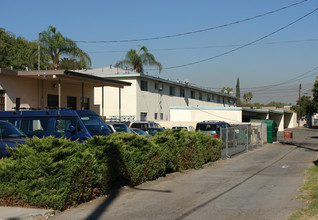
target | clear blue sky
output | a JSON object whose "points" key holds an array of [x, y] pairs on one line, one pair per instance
{"points": [[283, 56]]}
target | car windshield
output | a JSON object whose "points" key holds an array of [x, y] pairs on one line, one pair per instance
{"points": [[121, 128], [95, 125], [139, 125], [140, 132], [8, 130], [206, 127]]}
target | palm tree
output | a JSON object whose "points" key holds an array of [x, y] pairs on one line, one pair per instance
{"points": [[55, 45], [248, 97], [137, 60]]}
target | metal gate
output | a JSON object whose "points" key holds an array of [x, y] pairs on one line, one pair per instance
{"points": [[240, 138]]}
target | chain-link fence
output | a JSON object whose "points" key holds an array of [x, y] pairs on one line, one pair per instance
{"points": [[240, 138]]}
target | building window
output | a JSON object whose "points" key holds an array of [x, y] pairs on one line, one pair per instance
{"points": [[71, 102], [156, 86], [200, 96], [85, 104], [208, 98], [17, 103], [219, 99], [143, 85], [156, 116], [161, 88], [52, 101], [192, 95], [212, 97], [2, 101], [172, 90], [161, 116], [143, 116], [182, 93]]}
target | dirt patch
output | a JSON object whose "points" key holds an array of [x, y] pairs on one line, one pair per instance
{"points": [[7, 200]]}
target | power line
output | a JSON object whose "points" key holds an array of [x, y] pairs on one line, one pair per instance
{"points": [[210, 46], [263, 89], [301, 76], [243, 46], [196, 31]]}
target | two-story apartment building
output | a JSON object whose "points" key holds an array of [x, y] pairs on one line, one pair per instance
{"points": [[150, 97]]}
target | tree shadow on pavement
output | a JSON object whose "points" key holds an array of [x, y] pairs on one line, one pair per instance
{"points": [[114, 167], [104, 205]]}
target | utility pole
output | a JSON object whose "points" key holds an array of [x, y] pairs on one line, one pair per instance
{"points": [[299, 105], [39, 52]]}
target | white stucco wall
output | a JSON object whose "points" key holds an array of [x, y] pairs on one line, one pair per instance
{"points": [[204, 114], [153, 101], [25, 89], [111, 100], [159, 101]]}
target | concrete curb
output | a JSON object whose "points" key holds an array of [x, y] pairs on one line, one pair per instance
{"points": [[21, 213]]}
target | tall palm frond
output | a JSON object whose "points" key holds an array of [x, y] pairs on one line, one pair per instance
{"points": [[137, 60], [56, 45]]}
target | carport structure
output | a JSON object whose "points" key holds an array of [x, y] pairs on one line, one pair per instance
{"points": [[51, 88], [283, 118]]}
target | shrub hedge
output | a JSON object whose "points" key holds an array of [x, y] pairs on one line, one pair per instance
{"points": [[58, 173]]}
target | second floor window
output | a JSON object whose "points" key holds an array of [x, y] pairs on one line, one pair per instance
{"points": [[182, 93], [172, 90], [144, 85], [192, 95]]}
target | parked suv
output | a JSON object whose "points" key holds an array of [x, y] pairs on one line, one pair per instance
{"points": [[144, 124], [72, 124], [211, 127]]}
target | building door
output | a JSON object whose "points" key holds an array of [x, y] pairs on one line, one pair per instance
{"points": [[71, 102], [2, 101], [52, 101]]}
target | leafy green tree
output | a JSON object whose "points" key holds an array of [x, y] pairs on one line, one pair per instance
{"points": [[238, 90], [258, 105], [226, 90], [55, 45], [306, 107], [276, 104], [18, 53], [248, 97], [138, 59], [315, 95]]}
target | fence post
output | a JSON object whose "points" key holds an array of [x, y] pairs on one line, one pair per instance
{"points": [[247, 138], [227, 143]]}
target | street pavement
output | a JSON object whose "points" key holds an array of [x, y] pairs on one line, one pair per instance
{"points": [[259, 184]]}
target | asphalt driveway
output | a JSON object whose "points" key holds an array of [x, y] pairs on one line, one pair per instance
{"points": [[260, 184]]}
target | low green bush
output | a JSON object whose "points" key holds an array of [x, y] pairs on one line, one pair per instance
{"points": [[58, 173], [183, 150], [125, 157], [48, 172]]}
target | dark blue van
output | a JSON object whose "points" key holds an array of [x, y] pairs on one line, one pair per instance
{"points": [[10, 136], [72, 124]]}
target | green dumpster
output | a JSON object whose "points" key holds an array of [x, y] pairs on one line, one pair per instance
{"points": [[272, 128]]}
